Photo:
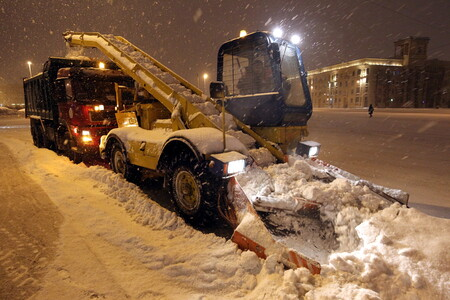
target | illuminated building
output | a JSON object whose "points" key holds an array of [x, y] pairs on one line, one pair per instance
{"points": [[408, 79]]}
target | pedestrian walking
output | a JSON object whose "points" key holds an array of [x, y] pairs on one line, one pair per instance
{"points": [[371, 109]]}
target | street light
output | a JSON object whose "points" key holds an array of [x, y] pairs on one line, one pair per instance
{"points": [[205, 76], [29, 67]]}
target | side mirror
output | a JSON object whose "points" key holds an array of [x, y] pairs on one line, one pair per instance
{"points": [[217, 89], [275, 52]]}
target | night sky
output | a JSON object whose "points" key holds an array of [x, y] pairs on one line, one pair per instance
{"points": [[185, 35]]}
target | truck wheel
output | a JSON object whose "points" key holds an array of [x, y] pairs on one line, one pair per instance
{"points": [[75, 156], [195, 194], [36, 133], [119, 163]]}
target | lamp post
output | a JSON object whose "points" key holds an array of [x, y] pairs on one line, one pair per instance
{"points": [[205, 76], [29, 67]]}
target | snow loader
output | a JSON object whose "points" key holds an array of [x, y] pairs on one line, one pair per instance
{"points": [[257, 113]]}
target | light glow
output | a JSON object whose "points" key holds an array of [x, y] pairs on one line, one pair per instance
{"points": [[309, 148], [86, 136], [278, 32], [295, 39], [313, 151], [99, 107], [101, 65], [29, 68], [236, 166], [242, 33]]}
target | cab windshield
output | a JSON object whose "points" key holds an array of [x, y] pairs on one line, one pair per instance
{"points": [[88, 89], [290, 75], [247, 69]]}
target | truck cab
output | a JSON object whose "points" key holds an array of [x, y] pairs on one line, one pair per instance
{"points": [[71, 104], [265, 74], [87, 103]]}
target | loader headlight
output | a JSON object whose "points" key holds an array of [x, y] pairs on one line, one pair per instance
{"points": [[227, 164], [235, 166], [86, 136], [308, 149]]}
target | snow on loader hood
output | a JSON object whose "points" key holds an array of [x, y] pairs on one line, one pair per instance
{"points": [[206, 140]]}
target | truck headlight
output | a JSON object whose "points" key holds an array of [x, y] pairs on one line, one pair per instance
{"points": [[86, 136], [99, 107]]}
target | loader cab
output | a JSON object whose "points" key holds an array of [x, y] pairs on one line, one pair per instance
{"points": [[264, 81]]}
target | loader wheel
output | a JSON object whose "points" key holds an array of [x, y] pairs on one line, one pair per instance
{"points": [[195, 194], [187, 191], [119, 163]]}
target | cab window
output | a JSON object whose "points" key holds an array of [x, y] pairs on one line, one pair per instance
{"points": [[247, 70]]}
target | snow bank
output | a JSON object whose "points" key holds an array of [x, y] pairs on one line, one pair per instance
{"points": [[382, 251], [159, 253], [7, 111]]}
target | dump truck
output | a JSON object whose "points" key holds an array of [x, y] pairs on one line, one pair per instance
{"points": [[72, 103], [256, 116]]}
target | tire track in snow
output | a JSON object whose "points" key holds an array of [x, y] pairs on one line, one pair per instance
{"points": [[29, 224]]}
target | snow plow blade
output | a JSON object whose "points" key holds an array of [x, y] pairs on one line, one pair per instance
{"points": [[292, 230], [333, 172], [252, 234]]}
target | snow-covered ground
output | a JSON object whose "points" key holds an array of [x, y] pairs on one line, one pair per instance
{"points": [[115, 243], [407, 149]]}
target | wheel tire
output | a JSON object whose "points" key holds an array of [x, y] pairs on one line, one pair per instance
{"points": [[120, 165], [195, 194], [36, 133], [75, 156], [187, 191]]}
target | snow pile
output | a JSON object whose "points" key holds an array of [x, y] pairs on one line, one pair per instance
{"points": [[7, 111], [343, 206], [383, 251], [392, 253], [157, 255], [404, 255]]}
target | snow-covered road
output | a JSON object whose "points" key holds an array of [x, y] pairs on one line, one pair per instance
{"points": [[405, 149], [114, 242]]}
